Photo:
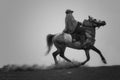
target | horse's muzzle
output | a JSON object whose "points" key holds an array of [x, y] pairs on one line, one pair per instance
{"points": [[103, 22]]}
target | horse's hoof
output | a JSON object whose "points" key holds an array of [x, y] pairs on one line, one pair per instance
{"points": [[82, 63], [104, 61]]}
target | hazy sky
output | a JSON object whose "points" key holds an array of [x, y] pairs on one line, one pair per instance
{"points": [[24, 25]]}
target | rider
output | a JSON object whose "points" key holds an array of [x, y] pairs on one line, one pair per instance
{"points": [[71, 24]]}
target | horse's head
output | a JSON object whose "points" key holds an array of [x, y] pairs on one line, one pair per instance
{"points": [[95, 22]]}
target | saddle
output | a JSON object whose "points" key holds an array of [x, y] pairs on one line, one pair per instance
{"points": [[79, 34]]}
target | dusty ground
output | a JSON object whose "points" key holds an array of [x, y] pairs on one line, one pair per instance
{"points": [[78, 73]]}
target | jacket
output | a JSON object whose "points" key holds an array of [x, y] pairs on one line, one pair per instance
{"points": [[70, 23]]}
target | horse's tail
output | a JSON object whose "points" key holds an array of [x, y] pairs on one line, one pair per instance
{"points": [[49, 40]]}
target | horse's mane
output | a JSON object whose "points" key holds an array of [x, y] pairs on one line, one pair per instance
{"points": [[87, 23]]}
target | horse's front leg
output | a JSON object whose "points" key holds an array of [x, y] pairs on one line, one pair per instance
{"points": [[99, 52], [87, 55]]}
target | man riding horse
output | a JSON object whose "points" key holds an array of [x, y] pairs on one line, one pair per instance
{"points": [[75, 35], [72, 26]]}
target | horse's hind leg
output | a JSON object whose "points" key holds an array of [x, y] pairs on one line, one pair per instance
{"points": [[55, 56], [62, 50], [99, 52]]}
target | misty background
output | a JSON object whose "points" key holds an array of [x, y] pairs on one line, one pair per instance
{"points": [[24, 25]]}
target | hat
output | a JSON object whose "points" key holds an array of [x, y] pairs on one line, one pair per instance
{"points": [[68, 11]]}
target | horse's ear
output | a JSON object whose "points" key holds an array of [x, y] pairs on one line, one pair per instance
{"points": [[90, 18]]}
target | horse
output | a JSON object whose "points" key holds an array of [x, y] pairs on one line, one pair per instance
{"points": [[63, 40]]}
